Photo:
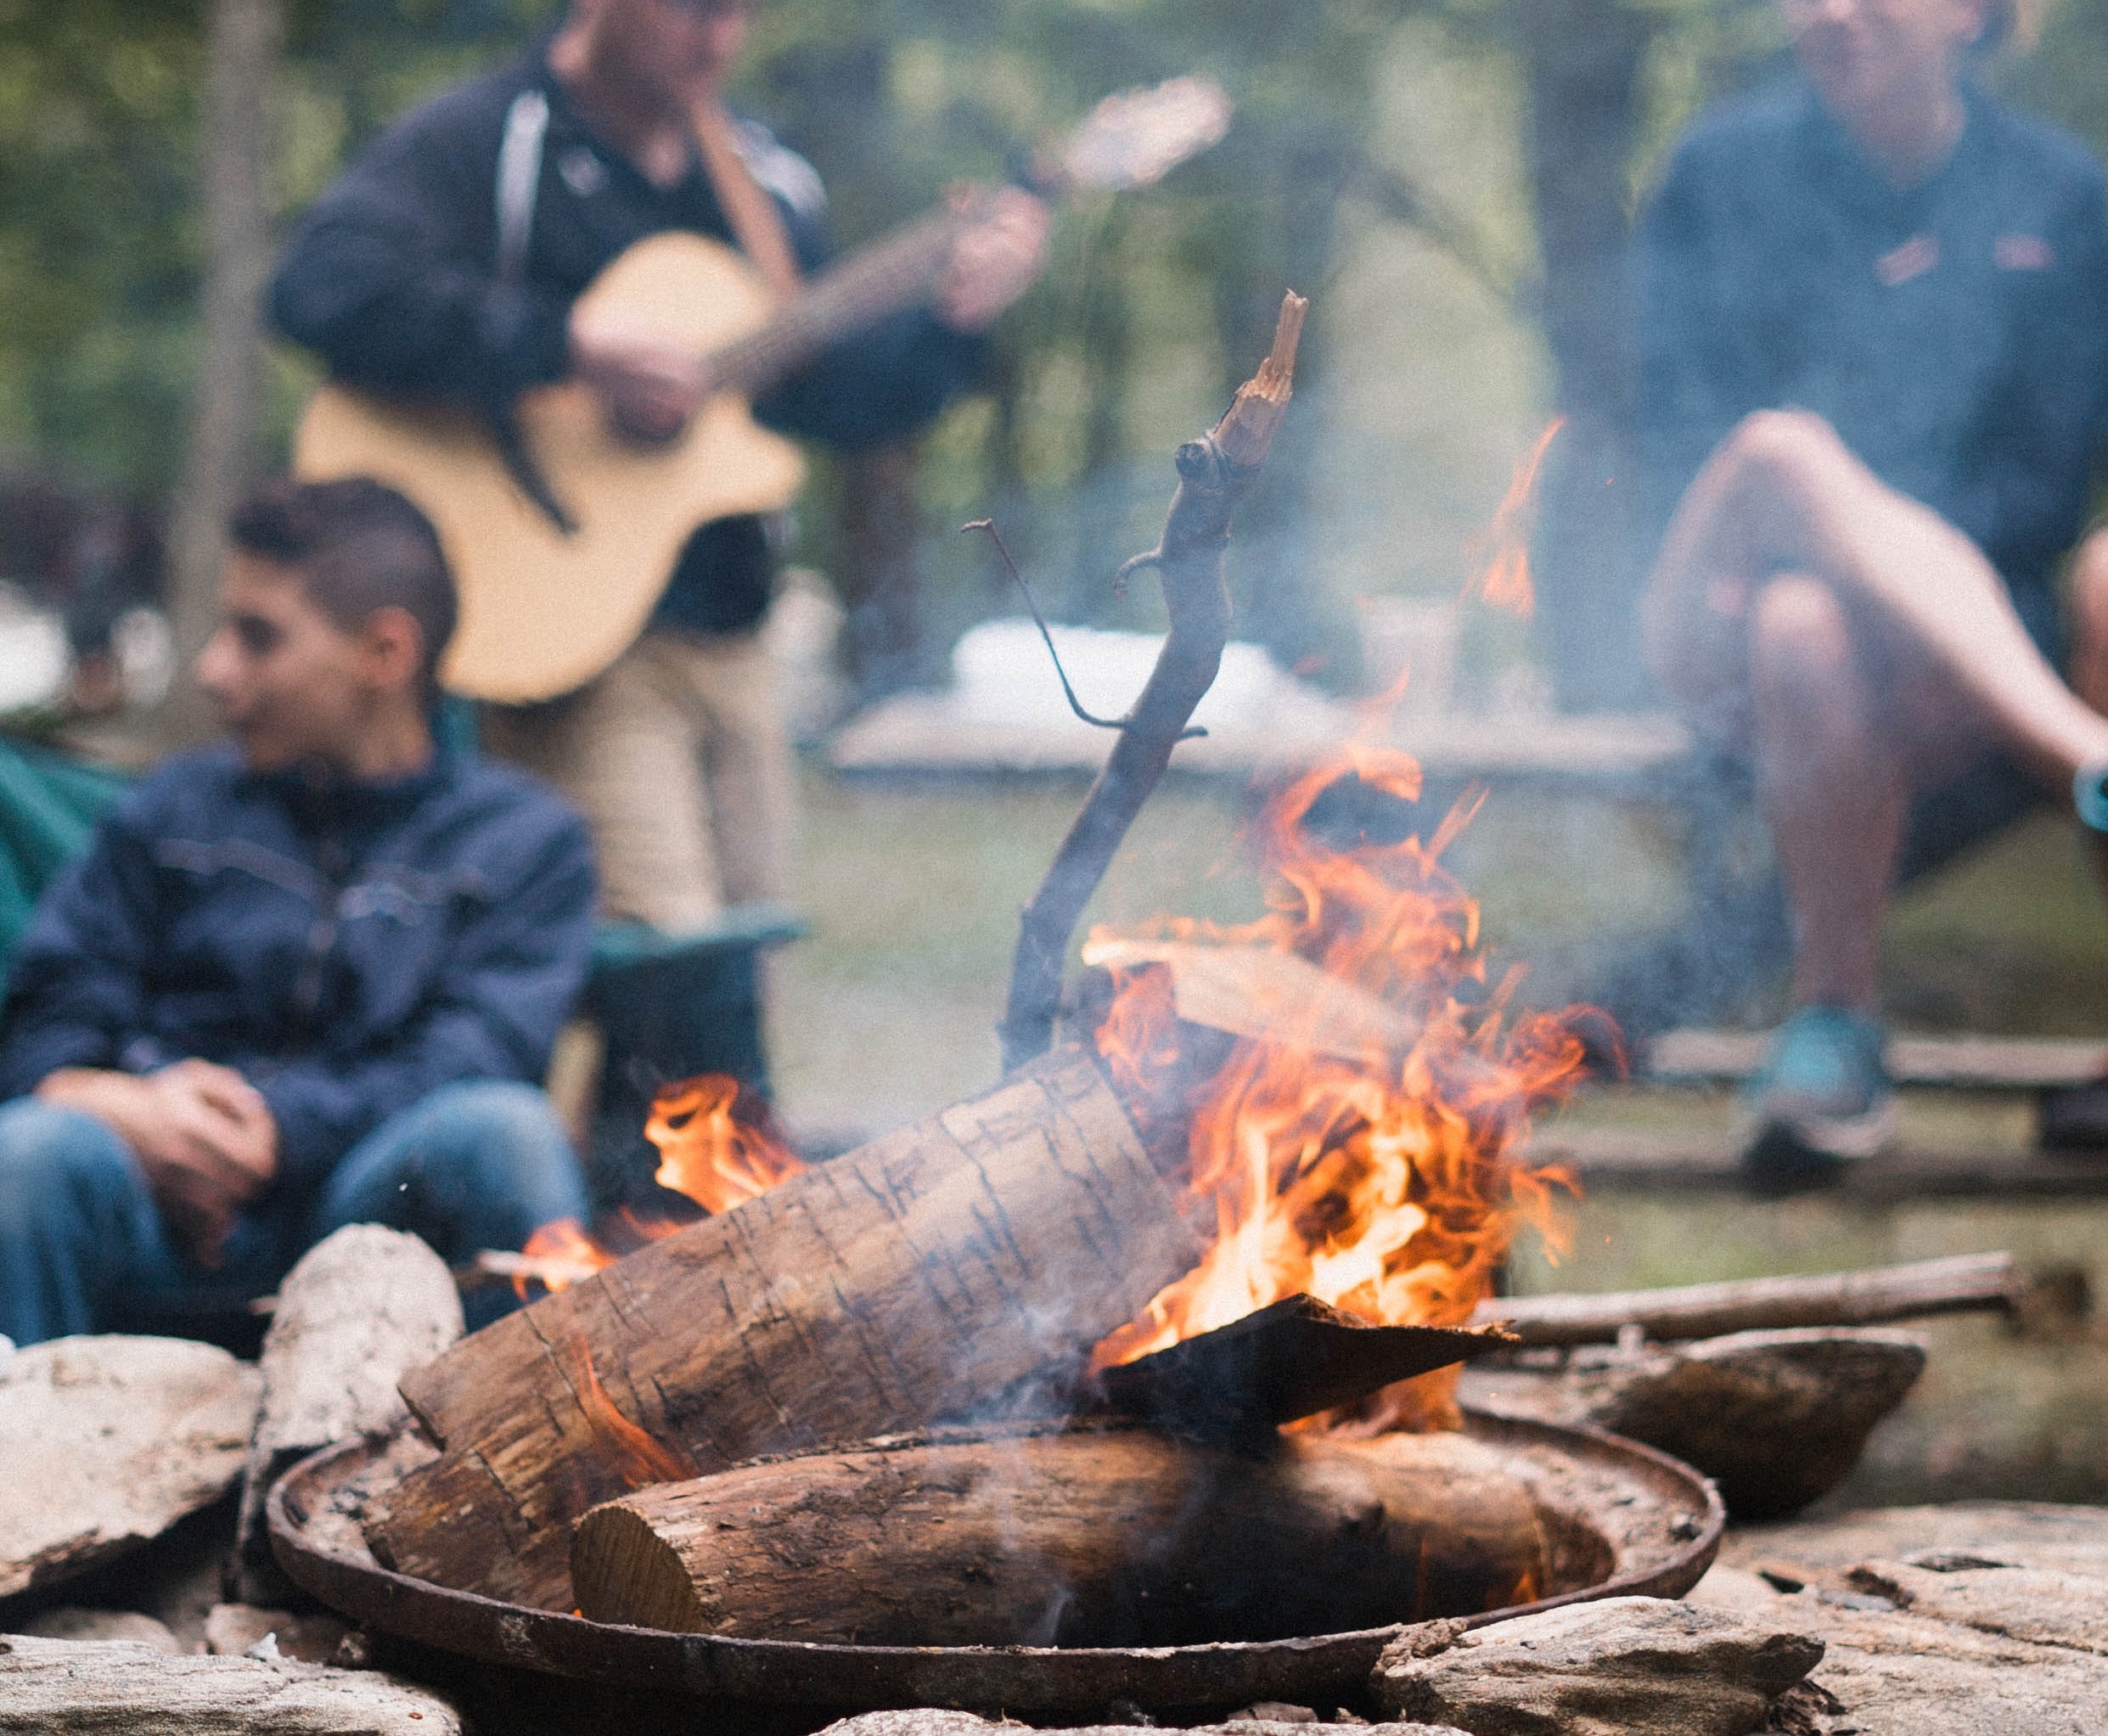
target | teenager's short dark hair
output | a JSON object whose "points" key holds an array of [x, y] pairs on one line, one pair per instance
{"points": [[358, 546]]}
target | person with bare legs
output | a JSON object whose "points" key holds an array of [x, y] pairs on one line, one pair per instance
{"points": [[1872, 334], [1865, 650]]}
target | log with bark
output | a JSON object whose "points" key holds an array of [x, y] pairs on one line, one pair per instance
{"points": [[1960, 1284], [1078, 1536], [904, 1284]]}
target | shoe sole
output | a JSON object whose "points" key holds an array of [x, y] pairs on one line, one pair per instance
{"points": [[1814, 1151]]}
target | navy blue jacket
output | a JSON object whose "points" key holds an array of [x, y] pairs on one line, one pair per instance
{"points": [[391, 277], [346, 949], [1955, 335]]}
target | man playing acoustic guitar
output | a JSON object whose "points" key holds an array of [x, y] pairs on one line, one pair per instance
{"points": [[448, 262]]}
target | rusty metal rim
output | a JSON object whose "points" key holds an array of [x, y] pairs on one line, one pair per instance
{"points": [[1323, 1668]]}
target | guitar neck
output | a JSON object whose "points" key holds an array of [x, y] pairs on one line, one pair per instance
{"points": [[885, 277]]}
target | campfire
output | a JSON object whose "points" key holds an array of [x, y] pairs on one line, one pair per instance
{"points": [[1017, 1375], [1364, 1146]]}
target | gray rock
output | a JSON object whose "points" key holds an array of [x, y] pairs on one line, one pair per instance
{"points": [[1775, 1419], [1927, 1638], [241, 1631], [931, 1723], [362, 1308], [108, 1443], [2020, 1603], [59, 1687], [72, 1621], [1623, 1666]]}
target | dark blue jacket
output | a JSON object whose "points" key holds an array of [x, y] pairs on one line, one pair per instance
{"points": [[1955, 335], [392, 279], [346, 949]]}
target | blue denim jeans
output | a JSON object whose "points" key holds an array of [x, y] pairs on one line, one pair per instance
{"points": [[477, 1164]]}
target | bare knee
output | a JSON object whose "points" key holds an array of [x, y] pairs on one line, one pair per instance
{"points": [[1800, 639], [1783, 446]]}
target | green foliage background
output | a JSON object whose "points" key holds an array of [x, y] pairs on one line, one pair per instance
{"points": [[1363, 124]]}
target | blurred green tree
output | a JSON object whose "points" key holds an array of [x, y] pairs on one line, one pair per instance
{"points": [[1156, 303]]}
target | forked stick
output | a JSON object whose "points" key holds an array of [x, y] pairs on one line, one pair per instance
{"points": [[1213, 473]]}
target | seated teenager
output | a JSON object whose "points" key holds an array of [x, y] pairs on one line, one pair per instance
{"points": [[1879, 300], [302, 979]]}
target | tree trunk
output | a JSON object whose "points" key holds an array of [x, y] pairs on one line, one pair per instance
{"points": [[906, 1282], [880, 586], [1126, 1537], [1583, 59], [220, 458]]}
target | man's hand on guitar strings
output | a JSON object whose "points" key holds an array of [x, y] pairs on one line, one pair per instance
{"points": [[1000, 250], [650, 389]]}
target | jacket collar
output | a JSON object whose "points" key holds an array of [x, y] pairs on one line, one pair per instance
{"points": [[315, 795]]}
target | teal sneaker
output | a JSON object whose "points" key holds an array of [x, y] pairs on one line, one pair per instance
{"points": [[1822, 1098]]}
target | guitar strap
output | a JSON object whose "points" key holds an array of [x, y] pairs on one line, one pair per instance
{"points": [[520, 180], [757, 220]]}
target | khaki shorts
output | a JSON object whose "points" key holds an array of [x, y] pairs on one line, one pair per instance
{"points": [[678, 760]]}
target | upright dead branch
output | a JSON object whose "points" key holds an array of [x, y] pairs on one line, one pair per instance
{"points": [[1213, 472]]}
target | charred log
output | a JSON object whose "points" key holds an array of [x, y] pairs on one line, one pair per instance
{"points": [[1292, 1359], [1081, 1538]]}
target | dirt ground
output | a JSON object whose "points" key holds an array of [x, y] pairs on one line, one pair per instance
{"points": [[888, 1011]]}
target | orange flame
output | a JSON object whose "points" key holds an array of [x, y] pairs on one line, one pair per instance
{"points": [[719, 1162], [638, 1457], [557, 1255], [1502, 579], [1392, 1188], [713, 1148]]}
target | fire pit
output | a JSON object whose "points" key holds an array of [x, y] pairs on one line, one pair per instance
{"points": [[1616, 1519]]}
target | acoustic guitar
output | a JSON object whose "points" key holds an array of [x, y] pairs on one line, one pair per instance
{"points": [[546, 605]]}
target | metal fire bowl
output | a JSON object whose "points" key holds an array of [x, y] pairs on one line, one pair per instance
{"points": [[1627, 1520]]}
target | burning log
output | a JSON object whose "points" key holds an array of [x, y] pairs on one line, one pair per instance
{"points": [[1081, 1537], [1960, 1284], [903, 1282]]}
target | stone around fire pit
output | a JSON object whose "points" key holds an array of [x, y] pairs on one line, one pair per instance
{"points": [[1625, 1666], [110, 1441], [1924, 1632], [58, 1686], [1775, 1419], [942, 1723]]}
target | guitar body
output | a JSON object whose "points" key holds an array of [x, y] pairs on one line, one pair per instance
{"points": [[543, 612]]}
